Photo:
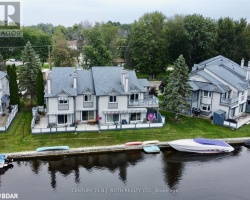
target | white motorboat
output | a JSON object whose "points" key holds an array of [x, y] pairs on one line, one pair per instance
{"points": [[201, 145], [4, 161]]}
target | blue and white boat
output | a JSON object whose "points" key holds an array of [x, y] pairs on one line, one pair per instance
{"points": [[151, 149], [4, 161], [201, 145], [53, 148]]}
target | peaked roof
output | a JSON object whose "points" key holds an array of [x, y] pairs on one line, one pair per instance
{"points": [[85, 83], [62, 81], [223, 69], [2, 74], [107, 80]]}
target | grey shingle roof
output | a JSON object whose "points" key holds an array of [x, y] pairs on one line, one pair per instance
{"points": [[197, 85], [227, 70], [144, 82], [62, 80], [107, 80], [85, 83]]}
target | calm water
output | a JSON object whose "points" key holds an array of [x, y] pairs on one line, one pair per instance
{"points": [[132, 175]]}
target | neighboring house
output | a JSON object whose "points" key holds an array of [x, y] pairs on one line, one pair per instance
{"points": [[103, 95], [4, 92], [221, 86]]}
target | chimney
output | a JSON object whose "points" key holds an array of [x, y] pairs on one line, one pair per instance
{"points": [[248, 71], [126, 82], [49, 83], [74, 80], [242, 62], [123, 72]]}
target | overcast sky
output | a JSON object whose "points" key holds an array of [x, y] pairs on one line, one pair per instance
{"points": [[69, 12]]}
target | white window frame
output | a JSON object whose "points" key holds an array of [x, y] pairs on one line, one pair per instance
{"points": [[208, 107], [137, 116], [63, 100], [209, 94], [88, 115], [112, 99], [89, 98], [109, 121]]}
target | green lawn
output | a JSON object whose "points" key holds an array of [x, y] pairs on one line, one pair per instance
{"points": [[19, 138]]}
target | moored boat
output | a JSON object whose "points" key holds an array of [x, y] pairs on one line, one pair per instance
{"points": [[52, 148], [150, 142], [133, 143], [4, 161], [201, 145], [151, 149]]}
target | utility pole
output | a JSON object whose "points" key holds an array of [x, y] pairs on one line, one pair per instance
{"points": [[49, 56]]}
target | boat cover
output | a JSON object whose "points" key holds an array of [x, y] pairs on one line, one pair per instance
{"points": [[211, 142], [2, 156]]}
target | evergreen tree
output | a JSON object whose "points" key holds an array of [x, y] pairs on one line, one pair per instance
{"points": [[39, 89], [178, 89], [2, 64], [28, 73]]}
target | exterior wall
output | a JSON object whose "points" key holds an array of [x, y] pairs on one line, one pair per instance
{"points": [[216, 104], [53, 106], [79, 103]]}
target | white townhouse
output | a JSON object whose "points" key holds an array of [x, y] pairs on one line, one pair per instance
{"points": [[4, 92], [107, 95], [121, 96], [220, 85]]}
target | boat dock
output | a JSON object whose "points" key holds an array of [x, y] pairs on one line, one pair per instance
{"points": [[101, 149]]}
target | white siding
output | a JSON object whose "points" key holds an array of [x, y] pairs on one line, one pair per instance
{"points": [[53, 106], [79, 103]]}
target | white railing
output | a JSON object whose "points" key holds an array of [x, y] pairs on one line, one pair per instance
{"points": [[129, 126], [229, 101], [10, 118]]}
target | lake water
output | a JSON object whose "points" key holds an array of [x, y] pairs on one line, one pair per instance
{"points": [[131, 175]]}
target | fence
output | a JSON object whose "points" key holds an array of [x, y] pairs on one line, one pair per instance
{"points": [[129, 126], [10, 118]]}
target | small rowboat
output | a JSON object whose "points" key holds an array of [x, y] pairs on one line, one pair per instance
{"points": [[151, 149], [150, 142], [53, 148], [133, 143]]}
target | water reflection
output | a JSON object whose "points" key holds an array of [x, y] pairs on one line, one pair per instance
{"points": [[174, 163], [68, 165]]}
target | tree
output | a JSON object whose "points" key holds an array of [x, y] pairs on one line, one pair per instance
{"points": [[95, 52], [28, 72], [178, 89], [147, 48], [201, 38], [13, 87], [62, 55], [39, 89], [2, 63]]}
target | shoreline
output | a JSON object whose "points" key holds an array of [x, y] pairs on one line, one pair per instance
{"points": [[101, 149]]}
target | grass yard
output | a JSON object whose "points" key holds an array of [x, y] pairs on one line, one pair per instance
{"points": [[18, 138]]}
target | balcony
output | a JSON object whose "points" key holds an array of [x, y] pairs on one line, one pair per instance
{"points": [[150, 101], [229, 101]]}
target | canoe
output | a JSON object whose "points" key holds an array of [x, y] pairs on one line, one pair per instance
{"points": [[53, 148], [151, 149], [150, 142], [133, 143]]}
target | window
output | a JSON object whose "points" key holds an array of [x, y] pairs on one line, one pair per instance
{"points": [[87, 115], [134, 97], [242, 107], [87, 97], [206, 94], [63, 100], [232, 112], [62, 119], [112, 98], [206, 107], [113, 118], [135, 116]]}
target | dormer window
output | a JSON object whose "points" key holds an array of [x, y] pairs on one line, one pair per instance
{"points": [[87, 98], [207, 94], [112, 98], [63, 100]]}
